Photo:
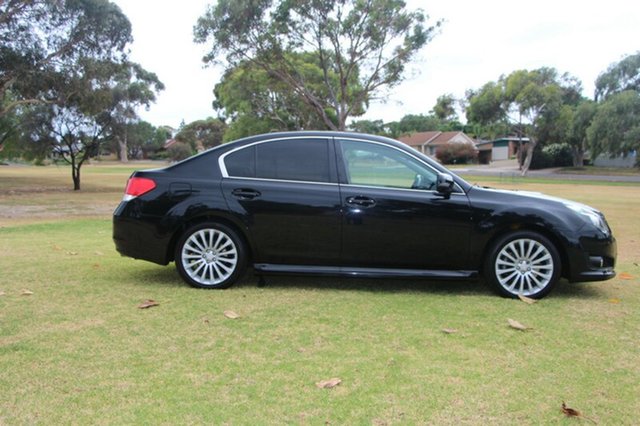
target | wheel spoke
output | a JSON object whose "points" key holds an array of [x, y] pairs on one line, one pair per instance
{"points": [[209, 256], [524, 266]]}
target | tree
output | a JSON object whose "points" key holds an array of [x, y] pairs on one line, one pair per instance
{"points": [[372, 127], [615, 129], [134, 87], [445, 109], [40, 37], [365, 44], [202, 134], [579, 120], [527, 101], [620, 76], [267, 102]]}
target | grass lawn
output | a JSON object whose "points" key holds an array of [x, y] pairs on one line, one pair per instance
{"points": [[79, 351]]}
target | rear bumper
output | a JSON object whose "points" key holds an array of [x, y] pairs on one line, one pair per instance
{"points": [[138, 239]]}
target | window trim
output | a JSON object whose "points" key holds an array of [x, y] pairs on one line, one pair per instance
{"points": [[330, 149], [457, 188]]}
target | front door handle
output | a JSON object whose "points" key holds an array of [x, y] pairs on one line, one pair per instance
{"points": [[245, 194], [361, 201]]}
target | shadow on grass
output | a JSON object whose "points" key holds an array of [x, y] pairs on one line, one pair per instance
{"points": [[168, 277], [377, 285]]}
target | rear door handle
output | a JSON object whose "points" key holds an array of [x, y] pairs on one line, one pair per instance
{"points": [[361, 201], [245, 194]]}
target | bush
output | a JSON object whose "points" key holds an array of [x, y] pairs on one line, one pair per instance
{"points": [[553, 155], [457, 153], [179, 151]]}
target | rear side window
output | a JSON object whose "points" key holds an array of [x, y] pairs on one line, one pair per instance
{"points": [[294, 159]]}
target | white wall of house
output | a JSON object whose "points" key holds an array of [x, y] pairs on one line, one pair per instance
{"points": [[603, 160]]}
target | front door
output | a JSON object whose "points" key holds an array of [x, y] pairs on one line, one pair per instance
{"points": [[392, 215]]}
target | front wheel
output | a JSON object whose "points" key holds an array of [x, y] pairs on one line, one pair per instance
{"points": [[524, 263], [210, 255]]}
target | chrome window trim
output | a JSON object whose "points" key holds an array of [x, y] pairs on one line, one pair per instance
{"points": [[225, 175], [458, 190], [306, 182], [223, 167]]}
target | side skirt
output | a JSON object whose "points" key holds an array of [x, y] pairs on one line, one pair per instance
{"points": [[268, 268]]}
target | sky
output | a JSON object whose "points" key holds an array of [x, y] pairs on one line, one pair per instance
{"points": [[478, 42]]}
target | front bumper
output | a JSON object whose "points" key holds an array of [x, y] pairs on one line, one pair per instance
{"points": [[594, 260]]}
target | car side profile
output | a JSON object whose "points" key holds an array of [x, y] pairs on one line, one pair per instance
{"points": [[349, 204]]}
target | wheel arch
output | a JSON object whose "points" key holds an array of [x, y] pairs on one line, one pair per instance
{"points": [[553, 237], [209, 217]]}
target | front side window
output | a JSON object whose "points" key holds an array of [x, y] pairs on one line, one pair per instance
{"points": [[371, 164], [292, 159]]}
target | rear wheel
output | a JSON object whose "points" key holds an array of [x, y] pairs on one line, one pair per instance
{"points": [[210, 255], [524, 263]]}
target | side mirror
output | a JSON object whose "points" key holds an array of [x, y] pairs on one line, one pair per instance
{"points": [[444, 184]]}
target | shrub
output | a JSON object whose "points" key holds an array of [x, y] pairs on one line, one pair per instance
{"points": [[457, 153], [553, 155], [179, 151]]}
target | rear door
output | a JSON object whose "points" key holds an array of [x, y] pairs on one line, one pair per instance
{"points": [[285, 190]]}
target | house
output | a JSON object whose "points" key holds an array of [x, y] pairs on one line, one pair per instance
{"points": [[500, 149], [429, 142]]}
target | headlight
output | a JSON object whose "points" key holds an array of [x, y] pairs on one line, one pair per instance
{"points": [[592, 215]]}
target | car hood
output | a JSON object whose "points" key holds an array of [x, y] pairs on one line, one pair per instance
{"points": [[539, 196]]}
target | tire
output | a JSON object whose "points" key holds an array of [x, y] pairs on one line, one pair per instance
{"points": [[210, 255], [525, 263]]}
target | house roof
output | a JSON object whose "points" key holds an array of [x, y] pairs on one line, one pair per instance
{"points": [[431, 138]]}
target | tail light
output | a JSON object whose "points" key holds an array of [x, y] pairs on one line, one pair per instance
{"points": [[137, 186]]}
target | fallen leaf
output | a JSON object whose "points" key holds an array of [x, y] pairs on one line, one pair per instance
{"points": [[148, 304], [57, 247], [625, 276], [614, 301], [515, 324], [527, 300], [570, 412], [96, 266], [449, 330], [328, 384], [2, 293], [99, 253], [72, 253], [231, 315], [205, 320], [26, 292]]}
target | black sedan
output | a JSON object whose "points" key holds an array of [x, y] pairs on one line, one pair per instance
{"points": [[352, 205]]}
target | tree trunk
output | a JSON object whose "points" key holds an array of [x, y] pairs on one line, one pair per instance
{"points": [[578, 157], [122, 144], [75, 175], [527, 160]]}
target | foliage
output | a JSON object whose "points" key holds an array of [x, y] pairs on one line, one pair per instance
{"points": [[362, 47], [444, 108], [179, 151], [248, 90], [457, 153], [372, 127], [579, 119], [528, 101], [41, 38], [553, 155], [143, 140], [615, 129], [133, 87], [619, 77], [202, 134]]}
